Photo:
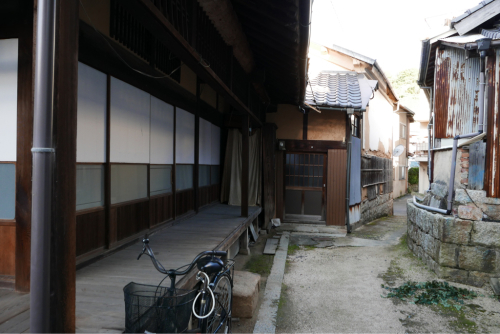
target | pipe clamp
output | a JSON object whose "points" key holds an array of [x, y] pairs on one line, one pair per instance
{"points": [[43, 150]]}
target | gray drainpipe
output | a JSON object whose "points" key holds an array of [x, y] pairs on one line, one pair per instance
{"points": [[483, 46], [348, 183], [43, 156]]}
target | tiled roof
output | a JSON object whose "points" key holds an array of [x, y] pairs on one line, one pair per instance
{"points": [[471, 10], [335, 89]]}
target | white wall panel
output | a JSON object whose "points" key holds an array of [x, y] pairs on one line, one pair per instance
{"points": [[91, 110], [8, 99], [162, 132], [205, 142], [215, 145], [130, 111], [184, 137]]}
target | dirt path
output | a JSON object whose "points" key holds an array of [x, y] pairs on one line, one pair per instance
{"points": [[337, 288]]}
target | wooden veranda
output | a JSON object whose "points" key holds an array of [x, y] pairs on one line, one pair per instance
{"points": [[99, 287]]}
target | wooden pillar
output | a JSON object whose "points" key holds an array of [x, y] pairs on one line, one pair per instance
{"points": [[244, 243], [24, 160], [269, 172], [110, 229], [305, 124], [174, 168], [245, 162], [197, 148], [63, 220]]}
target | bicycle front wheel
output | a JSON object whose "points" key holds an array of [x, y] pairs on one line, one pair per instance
{"points": [[220, 320]]}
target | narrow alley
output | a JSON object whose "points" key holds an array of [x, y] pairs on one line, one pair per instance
{"points": [[336, 285]]}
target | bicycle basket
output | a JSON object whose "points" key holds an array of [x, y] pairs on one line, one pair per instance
{"points": [[156, 309]]}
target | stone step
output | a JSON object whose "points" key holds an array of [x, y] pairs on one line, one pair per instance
{"points": [[246, 286]]}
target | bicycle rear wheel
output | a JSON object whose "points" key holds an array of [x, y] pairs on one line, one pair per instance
{"points": [[220, 320]]}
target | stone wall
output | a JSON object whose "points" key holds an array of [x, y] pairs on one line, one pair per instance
{"points": [[464, 249], [381, 206]]}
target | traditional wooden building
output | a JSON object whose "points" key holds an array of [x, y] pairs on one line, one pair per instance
{"points": [[351, 110], [145, 96]]}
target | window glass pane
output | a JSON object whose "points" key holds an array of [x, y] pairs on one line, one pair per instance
{"points": [[128, 182], [184, 177], [160, 179], [203, 176], [215, 174], [89, 186], [7, 191]]}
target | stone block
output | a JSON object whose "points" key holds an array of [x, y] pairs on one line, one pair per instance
{"points": [[430, 246], [448, 255], [457, 231], [453, 274], [470, 212], [488, 200], [491, 210], [245, 293], [486, 234], [477, 258], [439, 190], [477, 278]]}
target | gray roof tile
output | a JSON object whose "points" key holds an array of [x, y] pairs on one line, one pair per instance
{"points": [[334, 89]]}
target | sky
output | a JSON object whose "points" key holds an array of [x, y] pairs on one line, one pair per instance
{"points": [[387, 30]]}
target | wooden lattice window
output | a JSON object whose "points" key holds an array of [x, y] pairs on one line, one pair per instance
{"points": [[304, 170]]}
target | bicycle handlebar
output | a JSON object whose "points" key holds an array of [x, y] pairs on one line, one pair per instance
{"points": [[146, 249]]}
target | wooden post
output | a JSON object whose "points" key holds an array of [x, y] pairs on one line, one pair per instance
{"points": [[110, 230], [269, 172], [24, 160], [63, 220], [244, 243], [174, 168], [197, 148], [245, 162]]}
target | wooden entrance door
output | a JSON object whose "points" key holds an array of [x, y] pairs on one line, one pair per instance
{"points": [[336, 187], [305, 186]]}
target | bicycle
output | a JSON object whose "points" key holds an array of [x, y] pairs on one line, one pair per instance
{"points": [[167, 310]]}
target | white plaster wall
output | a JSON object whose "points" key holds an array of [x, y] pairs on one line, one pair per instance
{"points": [[184, 141], [8, 99], [442, 168], [215, 145], [378, 125], [91, 115], [423, 178], [205, 142], [130, 113], [162, 132]]}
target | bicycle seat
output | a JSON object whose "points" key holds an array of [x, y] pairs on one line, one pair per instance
{"points": [[210, 264]]}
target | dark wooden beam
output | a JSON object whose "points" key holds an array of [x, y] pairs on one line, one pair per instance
{"points": [[312, 145], [245, 164], [63, 218], [24, 159]]}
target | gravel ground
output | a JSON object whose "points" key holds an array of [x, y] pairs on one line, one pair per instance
{"points": [[338, 288]]}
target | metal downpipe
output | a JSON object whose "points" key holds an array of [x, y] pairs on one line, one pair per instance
{"points": [[43, 156], [348, 183]]}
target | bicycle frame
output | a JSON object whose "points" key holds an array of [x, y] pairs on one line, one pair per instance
{"points": [[211, 284]]}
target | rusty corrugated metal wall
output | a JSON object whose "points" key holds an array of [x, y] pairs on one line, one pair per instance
{"points": [[492, 171], [457, 89]]}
